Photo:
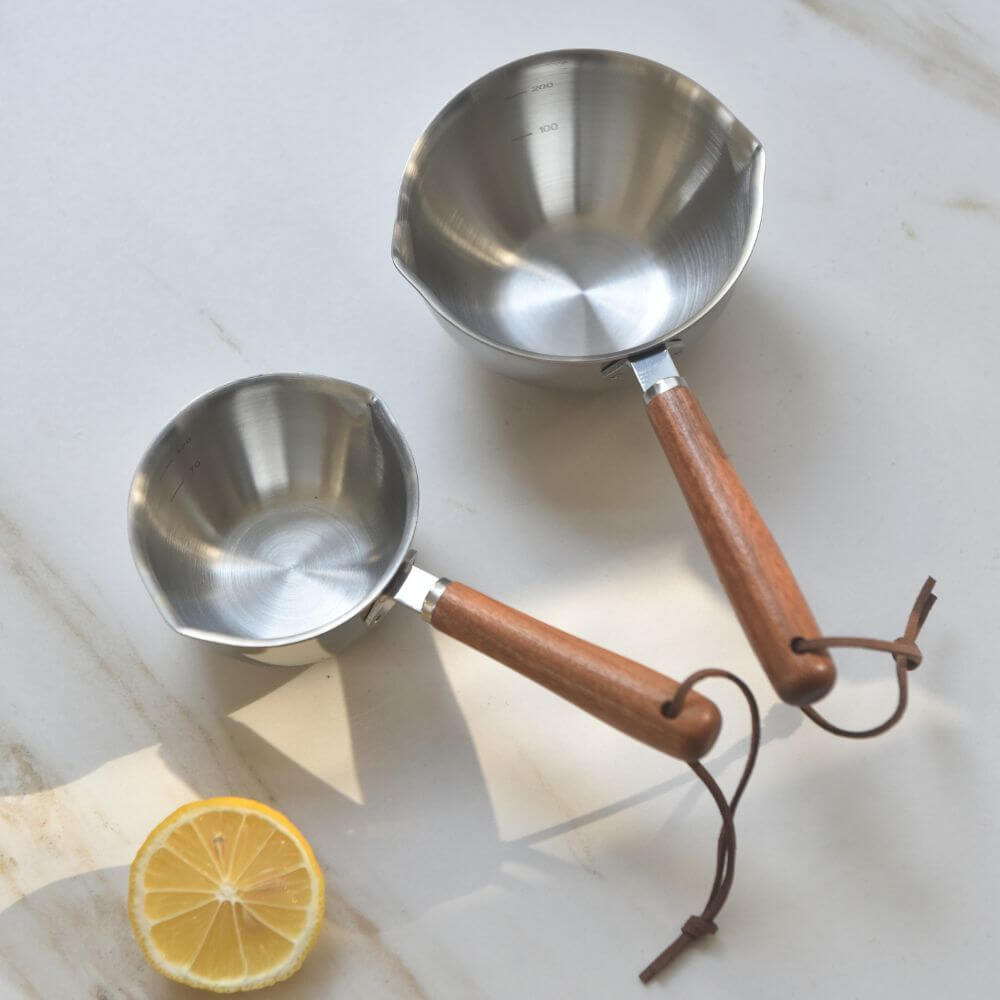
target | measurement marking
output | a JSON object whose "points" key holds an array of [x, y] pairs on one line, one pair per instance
{"points": [[512, 96], [518, 138], [172, 495]]}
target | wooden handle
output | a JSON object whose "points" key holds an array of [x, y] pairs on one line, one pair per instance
{"points": [[763, 592], [618, 691]]}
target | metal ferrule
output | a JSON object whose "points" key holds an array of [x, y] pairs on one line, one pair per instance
{"points": [[420, 591], [433, 596], [662, 385], [656, 373]]}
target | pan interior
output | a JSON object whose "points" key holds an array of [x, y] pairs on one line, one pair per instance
{"points": [[273, 509], [578, 205]]}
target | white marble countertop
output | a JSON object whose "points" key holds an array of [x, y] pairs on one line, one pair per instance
{"points": [[195, 192]]}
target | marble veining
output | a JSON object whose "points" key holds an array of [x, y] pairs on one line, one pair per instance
{"points": [[934, 42]]}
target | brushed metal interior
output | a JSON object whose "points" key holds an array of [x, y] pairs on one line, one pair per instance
{"points": [[273, 510], [578, 206]]}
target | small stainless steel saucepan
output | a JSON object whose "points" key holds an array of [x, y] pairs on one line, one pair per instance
{"points": [[280, 510], [580, 211]]}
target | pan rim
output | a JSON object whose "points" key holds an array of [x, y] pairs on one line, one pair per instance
{"points": [[398, 246]]}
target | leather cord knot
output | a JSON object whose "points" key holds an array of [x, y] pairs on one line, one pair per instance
{"points": [[699, 926], [904, 651], [910, 652]]}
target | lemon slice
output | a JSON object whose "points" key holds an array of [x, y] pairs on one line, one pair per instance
{"points": [[225, 895]]}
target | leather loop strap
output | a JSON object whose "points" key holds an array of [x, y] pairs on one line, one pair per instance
{"points": [[904, 650], [907, 656], [696, 927]]}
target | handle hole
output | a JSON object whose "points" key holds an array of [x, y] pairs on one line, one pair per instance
{"points": [[796, 644], [668, 710]]}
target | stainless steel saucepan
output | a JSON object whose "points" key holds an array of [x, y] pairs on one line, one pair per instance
{"points": [[580, 211], [279, 510]]}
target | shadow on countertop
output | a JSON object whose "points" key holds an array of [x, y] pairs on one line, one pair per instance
{"points": [[72, 937], [593, 456]]}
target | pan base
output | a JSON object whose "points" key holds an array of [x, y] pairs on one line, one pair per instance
{"points": [[579, 290], [289, 569]]}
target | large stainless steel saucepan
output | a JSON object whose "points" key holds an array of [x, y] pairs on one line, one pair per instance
{"points": [[580, 211], [276, 511]]}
